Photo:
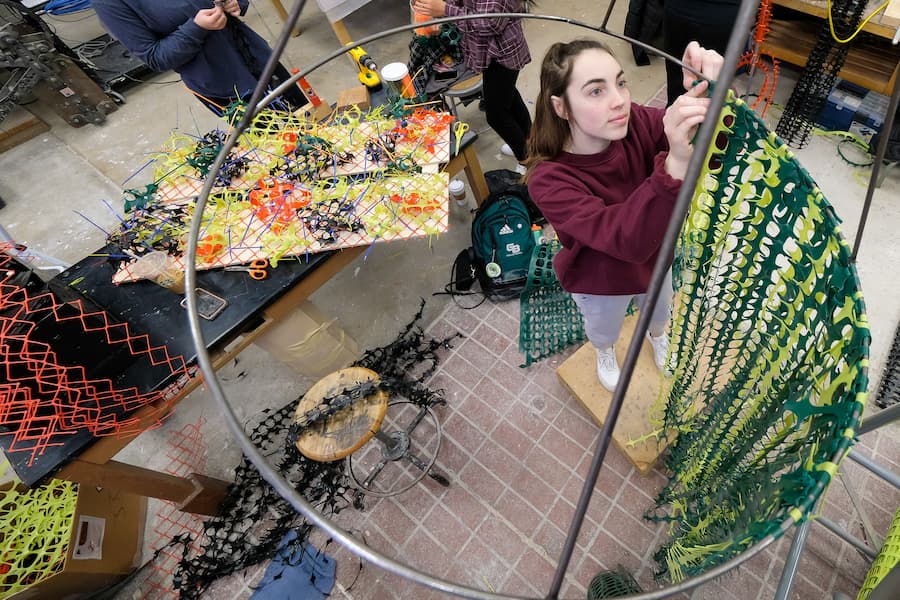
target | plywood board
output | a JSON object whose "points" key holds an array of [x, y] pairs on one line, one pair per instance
{"points": [[579, 375], [18, 127]]}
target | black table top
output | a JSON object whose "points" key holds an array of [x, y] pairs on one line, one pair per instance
{"points": [[148, 309]]}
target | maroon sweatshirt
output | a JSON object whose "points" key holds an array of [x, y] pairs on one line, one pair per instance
{"points": [[610, 210]]}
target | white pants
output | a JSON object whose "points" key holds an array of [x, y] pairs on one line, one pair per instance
{"points": [[604, 315]]}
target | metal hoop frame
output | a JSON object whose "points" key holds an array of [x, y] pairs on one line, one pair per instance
{"points": [[745, 18]]}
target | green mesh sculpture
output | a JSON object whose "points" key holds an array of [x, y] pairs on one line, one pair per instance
{"points": [[35, 526], [770, 342], [549, 319]]}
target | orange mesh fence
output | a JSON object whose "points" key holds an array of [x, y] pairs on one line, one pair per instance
{"points": [[187, 454], [59, 367]]}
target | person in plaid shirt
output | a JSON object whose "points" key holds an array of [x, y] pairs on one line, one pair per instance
{"points": [[496, 48]]}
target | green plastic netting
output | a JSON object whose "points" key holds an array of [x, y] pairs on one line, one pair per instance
{"points": [[612, 584], [549, 319], [35, 526], [770, 342]]}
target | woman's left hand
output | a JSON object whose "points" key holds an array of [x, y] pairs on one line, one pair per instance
{"points": [[432, 8], [232, 8]]}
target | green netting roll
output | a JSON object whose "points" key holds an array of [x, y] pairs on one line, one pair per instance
{"points": [[35, 527], [770, 340], [549, 319], [612, 584]]}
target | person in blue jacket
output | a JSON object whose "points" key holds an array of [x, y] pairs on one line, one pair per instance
{"points": [[217, 55]]}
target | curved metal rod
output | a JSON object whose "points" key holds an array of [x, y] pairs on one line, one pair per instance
{"points": [[880, 151], [268, 473], [404, 28], [703, 141]]}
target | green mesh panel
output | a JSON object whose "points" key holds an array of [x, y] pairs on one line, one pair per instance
{"points": [[550, 320], [35, 526], [886, 561], [770, 341]]}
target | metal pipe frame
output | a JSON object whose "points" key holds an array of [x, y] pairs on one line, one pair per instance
{"points": [[880, 419], [877, 469], [297, 501], [880, 151], [847, 537]]}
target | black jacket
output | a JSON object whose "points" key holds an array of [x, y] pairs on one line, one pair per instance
{"points": [[643, 23]]}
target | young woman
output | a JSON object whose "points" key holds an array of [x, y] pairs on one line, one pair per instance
{"points": [[605, 172], [218, 57], [496, 48]]}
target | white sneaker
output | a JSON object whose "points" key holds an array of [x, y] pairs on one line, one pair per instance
{"points": [[660, 347], [521, 169], [505, 149], [607, 368]]}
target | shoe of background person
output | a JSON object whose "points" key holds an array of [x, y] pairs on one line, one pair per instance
{"points": [[608, 368], [505, 149], [660, 347]]}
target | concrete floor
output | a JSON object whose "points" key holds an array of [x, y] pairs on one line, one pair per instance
{"points": [[516, 444]]}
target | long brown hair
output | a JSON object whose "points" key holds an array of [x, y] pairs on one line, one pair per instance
{"points": [[550, 132]]}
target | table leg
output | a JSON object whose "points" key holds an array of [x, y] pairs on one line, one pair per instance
{"points": [[197, 493], [343, 36], [279, 8], [475, 175]]}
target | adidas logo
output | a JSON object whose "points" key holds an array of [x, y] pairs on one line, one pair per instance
{"points": [[505, 230]]}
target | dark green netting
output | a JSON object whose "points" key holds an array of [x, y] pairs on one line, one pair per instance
{"points": [[550, 320], [770, 341], [612, 584]]}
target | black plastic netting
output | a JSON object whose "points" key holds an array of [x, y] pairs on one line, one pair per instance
{"points": [[889, 389], [254, 519], [824, 62]]}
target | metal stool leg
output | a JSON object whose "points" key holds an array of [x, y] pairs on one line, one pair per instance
{"points": [[397, 446]]}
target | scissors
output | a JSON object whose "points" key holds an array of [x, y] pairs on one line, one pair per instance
{"points": [[257, 269]]}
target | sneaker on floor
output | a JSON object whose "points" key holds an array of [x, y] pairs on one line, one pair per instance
{"points": [[505, 149], [660, 347], [608, 368], [521, 169]]}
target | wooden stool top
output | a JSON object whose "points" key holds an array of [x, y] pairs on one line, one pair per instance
{"points": [[464, 87], [347, 430]]}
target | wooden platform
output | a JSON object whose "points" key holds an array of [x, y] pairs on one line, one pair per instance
{"points": [[20, 126], [579, 375]]}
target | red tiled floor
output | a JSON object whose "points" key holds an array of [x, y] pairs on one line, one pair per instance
{"points": [[516, 448]]}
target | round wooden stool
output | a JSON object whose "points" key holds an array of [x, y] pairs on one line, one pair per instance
{"points": [[407, 437], [344, 432]]}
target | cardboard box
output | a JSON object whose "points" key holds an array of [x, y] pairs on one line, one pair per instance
{"points": [[355, 96], [310, 342], [105, 545]]}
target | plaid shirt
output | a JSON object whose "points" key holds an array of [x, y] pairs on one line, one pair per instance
{"points": [[485, 40]]}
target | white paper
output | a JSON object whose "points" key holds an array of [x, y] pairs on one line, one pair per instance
{"points": [[89, 542]]}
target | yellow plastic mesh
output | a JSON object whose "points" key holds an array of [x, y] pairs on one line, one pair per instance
{"points": [[887, 559], [35, 527]]}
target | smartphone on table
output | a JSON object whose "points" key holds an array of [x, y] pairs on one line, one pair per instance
{"points": [[209, 306]]}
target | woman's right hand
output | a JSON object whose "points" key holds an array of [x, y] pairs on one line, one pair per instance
{"points": [[211, 19], [680, 124]]}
